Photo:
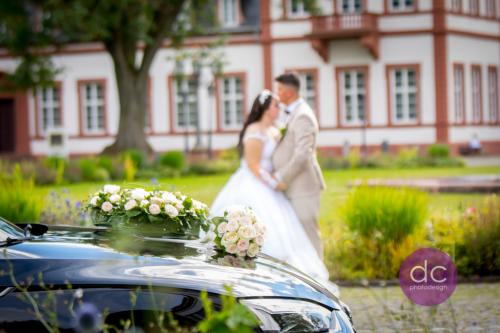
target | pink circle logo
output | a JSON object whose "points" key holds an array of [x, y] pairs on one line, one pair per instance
{"points": [[428, 277]]}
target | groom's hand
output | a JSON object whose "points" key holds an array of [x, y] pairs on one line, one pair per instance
{"points": [[281, 186]]}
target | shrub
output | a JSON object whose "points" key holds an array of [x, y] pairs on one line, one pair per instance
{"points": [[129, 168], [73, 172], [211, 167], [408, 158], [438, 151], [173, 159], [87, 168], [136, 156], [479, 252], [17, 202], [385, 213]]}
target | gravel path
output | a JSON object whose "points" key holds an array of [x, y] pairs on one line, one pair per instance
{"points": [[473, 308]]}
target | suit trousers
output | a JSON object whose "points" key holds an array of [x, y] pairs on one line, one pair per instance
{"points": [[307, 210]]}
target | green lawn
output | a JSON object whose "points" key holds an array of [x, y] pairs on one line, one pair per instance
{"points": [[205, 188]]}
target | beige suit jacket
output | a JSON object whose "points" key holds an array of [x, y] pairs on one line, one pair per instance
{"points": [[294, 159]]}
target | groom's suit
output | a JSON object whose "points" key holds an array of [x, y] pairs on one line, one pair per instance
{"points": [[296, 165]]}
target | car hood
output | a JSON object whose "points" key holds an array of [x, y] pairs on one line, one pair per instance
{"points": [[171, 263]]}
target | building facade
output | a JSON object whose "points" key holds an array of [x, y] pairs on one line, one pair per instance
{"points": [[400, 72]]}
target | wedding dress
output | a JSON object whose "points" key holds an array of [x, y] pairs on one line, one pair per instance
{"points": [[285, 238]]}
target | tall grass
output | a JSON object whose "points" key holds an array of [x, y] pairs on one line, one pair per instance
{"points": [[377, 224], [386, 213], [479, 251], [17, 200]]}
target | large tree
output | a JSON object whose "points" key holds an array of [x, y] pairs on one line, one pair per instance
{"points": [[132, 31]]}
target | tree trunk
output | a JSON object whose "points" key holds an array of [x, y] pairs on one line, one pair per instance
{"points": [[132, 92]]}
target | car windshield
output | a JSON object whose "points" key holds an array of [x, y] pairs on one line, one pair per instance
{"points": [[8, 230]]}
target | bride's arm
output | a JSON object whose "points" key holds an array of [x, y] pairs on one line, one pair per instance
{"points": [[253, 152]]}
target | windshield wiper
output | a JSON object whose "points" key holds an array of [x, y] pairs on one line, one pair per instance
{"points": [[9, 240]]}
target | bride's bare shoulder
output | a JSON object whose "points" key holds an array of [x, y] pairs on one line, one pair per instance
{"points": [[253, 128]]}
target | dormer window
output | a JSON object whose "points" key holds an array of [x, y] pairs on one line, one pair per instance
{"points": [[228, 13], [401, 5], [297, 8]]}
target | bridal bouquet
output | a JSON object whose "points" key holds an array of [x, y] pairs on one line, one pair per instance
{"points": [[239, 232], [174, 213]]}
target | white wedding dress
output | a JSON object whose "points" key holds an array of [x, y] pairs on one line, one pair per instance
{"points": [[285, 239]]}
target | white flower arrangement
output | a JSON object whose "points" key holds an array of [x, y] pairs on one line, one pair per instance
{"points": [[175, 213], [239, 232]]}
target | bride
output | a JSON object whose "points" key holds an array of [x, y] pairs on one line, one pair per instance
{"points": [[253, 185]]}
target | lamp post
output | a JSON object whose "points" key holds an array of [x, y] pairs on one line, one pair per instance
{"points": [[184, 92], [197, 68]]}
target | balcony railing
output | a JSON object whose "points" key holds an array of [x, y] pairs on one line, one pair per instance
{"points": [[344, 25]]}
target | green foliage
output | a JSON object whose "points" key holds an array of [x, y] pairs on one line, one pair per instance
{"points": [[129, 168], [385, 213], [136, 156], [479, 253], [211, 167], [232, 318], [87, 168], [438, 151], [173, 159], [407, 158], [17, 201]]}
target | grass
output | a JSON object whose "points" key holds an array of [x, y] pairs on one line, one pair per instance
{"points": [[205, 188]]}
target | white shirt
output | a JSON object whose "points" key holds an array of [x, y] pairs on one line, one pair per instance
{"points": [[288, 112]]}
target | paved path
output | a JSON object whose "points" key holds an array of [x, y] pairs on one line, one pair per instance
{"points": [[479, 161], [473, 308]]}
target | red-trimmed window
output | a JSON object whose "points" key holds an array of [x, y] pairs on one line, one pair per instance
{"points": [[404, 88], [456, 6], [229, 13], [232, 101], [308, 91], [93, 106], [474, 7], [490, 8], [493, 94], [459, 93], [49, 108], [476, 94], [401, 5], [185, 118], [350, 6], [296, 9], [352, 83]]}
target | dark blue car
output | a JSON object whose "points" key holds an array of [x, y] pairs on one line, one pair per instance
{"points": [[41, 278]]}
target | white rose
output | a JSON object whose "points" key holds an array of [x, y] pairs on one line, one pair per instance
{"points": [[260, 228], [115, 198], [169, 197], [221, 228], [156, 200], [198, 205], [131, 204], [94, 200], [259, 240], [111, 189], [171, 211], [179, 206], [253, 249], [232, 226], [245, 220], [107, 206], [230, 237], [241, 254], [247, 232], [231, 248], [144, 202], [242, 245], [154, 209], [138, 194]]}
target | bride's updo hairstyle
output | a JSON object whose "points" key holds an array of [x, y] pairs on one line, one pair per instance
{"points": [[259, 107]]}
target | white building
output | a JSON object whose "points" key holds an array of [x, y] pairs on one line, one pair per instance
{"points": [[421, 71]]}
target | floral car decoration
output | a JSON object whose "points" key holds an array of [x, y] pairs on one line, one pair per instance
{"points": [[166, 213], [239, 232]]}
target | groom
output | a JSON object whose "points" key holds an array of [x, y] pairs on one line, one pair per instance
{"points": [[295, 162]]}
